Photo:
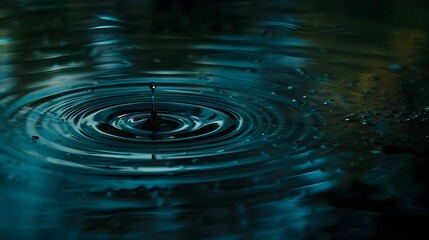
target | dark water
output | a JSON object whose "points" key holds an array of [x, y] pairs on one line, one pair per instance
{"points": [[274, 119]]}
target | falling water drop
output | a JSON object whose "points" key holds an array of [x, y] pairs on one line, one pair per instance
{"points": [[154, 122], [152, 87]]}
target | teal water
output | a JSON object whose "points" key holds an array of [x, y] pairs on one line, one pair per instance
{"points": [[278, 120]]}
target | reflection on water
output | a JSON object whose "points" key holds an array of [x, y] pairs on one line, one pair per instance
{"points": [[274, 119]]}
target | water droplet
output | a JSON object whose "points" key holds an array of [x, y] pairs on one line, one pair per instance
{"points": [[152, 86], [328, 101]]}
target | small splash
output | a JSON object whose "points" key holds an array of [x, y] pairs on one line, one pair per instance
{"points": [[154, 122], [152, 87]]}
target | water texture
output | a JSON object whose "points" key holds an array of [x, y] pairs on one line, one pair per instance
{"points": [[269, 119]]}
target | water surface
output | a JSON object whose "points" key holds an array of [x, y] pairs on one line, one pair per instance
{"points": [[273, 119]]}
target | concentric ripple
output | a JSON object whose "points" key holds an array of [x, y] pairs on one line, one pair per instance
{"points": [[107, 127]]}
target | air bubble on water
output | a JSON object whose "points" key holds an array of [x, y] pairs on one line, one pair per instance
{"points": [[290, 87], [157, 60], [328, 101], [348, 119]]}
